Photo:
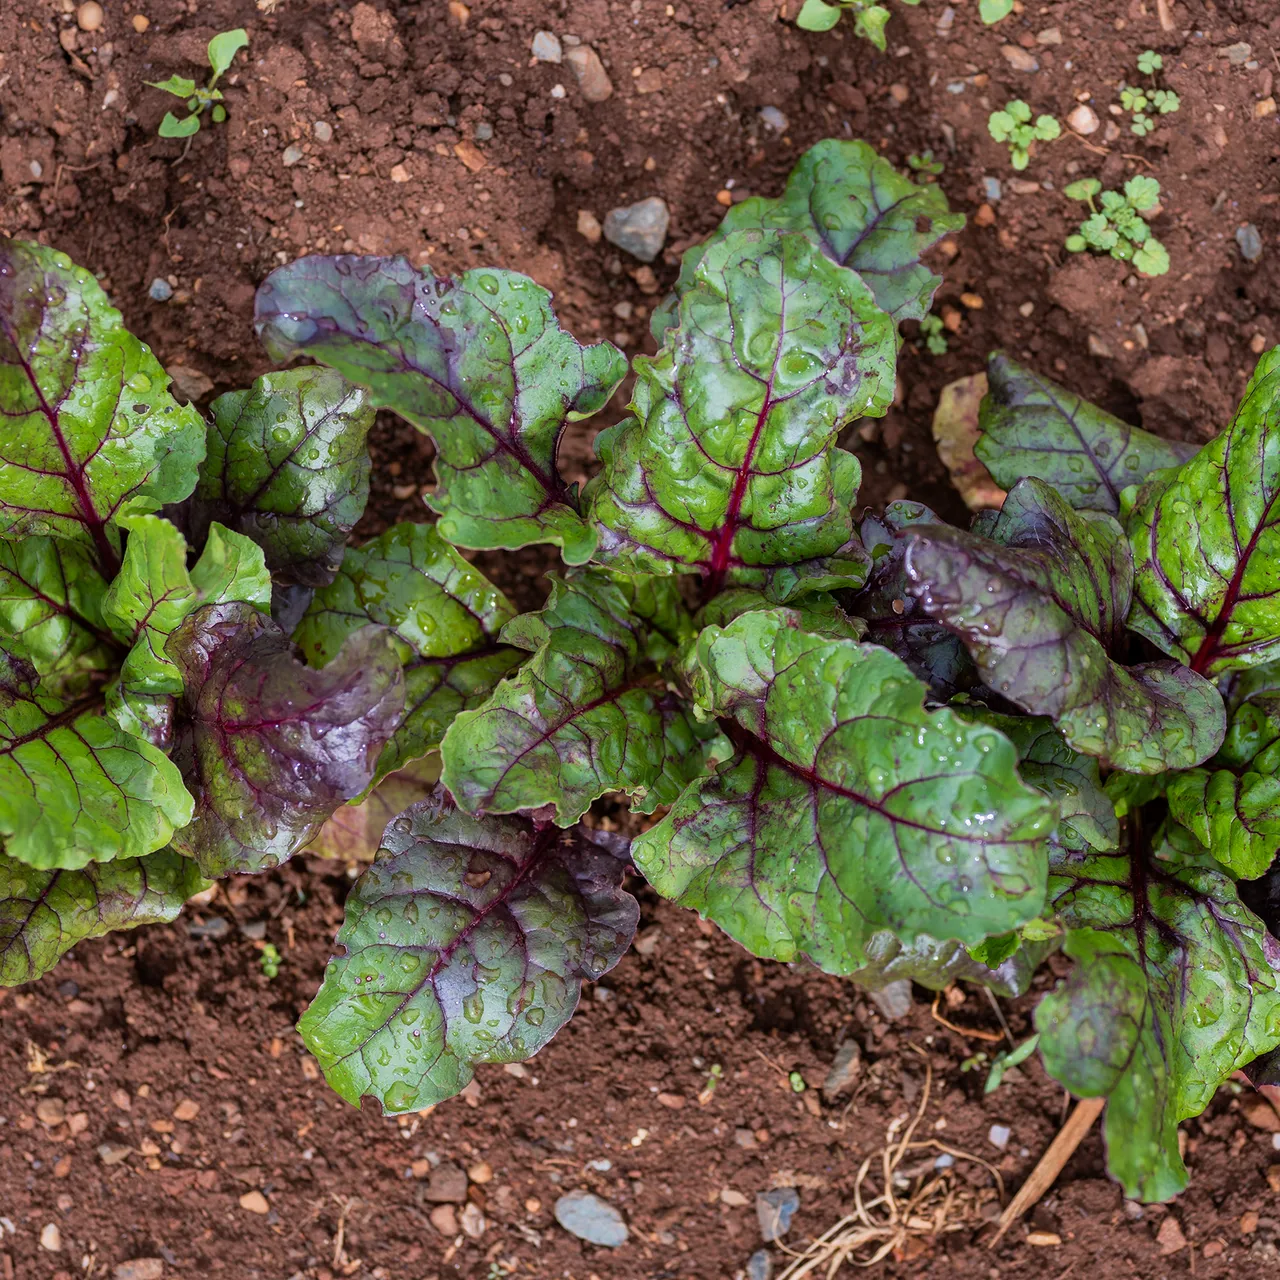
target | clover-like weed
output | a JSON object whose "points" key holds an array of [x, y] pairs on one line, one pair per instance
{"points": [[222, 50], [925, 163], [1115, 224], [1147, 102], [1015, 126], [932, 331]]}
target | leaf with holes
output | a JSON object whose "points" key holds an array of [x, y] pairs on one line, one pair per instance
{"points": [[727, 467], [44, 913], [286, 465], [467, 941], [90, 429], [446, 616], [587, 713], [1039, 607], [1175, 987], [1206, 542], [848, 809], [478, 362], [269, 747], [860, 211]]}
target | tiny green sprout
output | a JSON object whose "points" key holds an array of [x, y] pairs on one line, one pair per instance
{"points": [[796, 1080], [934, 339], [1003, 1061], [1147, 103], [1149, 62], [1014, 126], [925, 163], [270, 960], [714, 1076], [1115, 226], [222, 50], [869, 19], [973, 1062]]}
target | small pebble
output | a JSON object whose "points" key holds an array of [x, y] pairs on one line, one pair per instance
{"points": [[89, 16], [894, 999], [215, 927], [322, 131], [1050, 35], [255, 1202], [992, 189], [557, 91], [140, 22], [1019, 59], [775, 1209], [946, 20], [399, 173], [1250, 242], [546, 47], [1027, 310], [484, 131], [50, 1236], [473, 1221], [1236, 54], [944, 1161], [589, 71], [591, 1219], [139, 1269], [444, 1217], [1258, 344], [899, 93], [291, 155], [1265, 108], [589, 226], [639, 229], [760, 1266], [773, 119], [1084, 120], [161, 290], [843, 1070], [985, 216], [998, 1136]]}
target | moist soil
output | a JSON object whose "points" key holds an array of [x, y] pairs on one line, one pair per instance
{"points": [[156, 1103]]}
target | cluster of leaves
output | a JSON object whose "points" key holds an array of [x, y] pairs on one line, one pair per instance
{"points": [[934, 333], [1015, 126], [1145, 103], [925, 163], [1117, 227], [869, 18], [222, 51]]}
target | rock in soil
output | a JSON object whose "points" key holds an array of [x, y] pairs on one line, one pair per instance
{"points": [[589, 1218], [639, 229], [775, 1209], [843, 1070], [760, 1266], [139, 1269], [1250, 242], [447, 1185], [893, 1000], [592, 78], [546, 47]]}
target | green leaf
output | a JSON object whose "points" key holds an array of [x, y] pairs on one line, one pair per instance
{"points": [[1174, 988], [586, 714], [1038, 615], [848, 809], [43, 914], [1076, 244], [860, 211], [1206, 542], [1033, 427], [992, 11], [75, 789], [219, 113], [1084, 189], [1142, 192], [1000, 125], [1152, 259], [1047, 128], [870, 23], [1236, 817], [89, 425], [936, 965], [727, 463], [223, 49], [172, 127], [815, 15], [446, 616], [269, 747], [287, 466], [179, 86], [478, 362], [1014, 1058], [467, 941]]}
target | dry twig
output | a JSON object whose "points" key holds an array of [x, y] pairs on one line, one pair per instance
{"points": [[974, 1033]]}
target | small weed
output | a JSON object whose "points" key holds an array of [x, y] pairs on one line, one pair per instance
{"points": [[1149, 102], [1003, 1061], [1115, 224], [869, 20], [222, 49], [1014, 126], [931, 329], [925, 163], [269, 960]]}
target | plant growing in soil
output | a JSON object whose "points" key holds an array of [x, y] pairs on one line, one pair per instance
{"points": [[222, 51], [1117, 227], [1015, 126], [1143, 101], [934, 333], [869, 19]]}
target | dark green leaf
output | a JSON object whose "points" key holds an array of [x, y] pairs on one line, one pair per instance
{"points": [[478, 362], [1206, 542], [727, 467], [269, 747], [287, 466], [1033, 427], [90, 428], [937, 965], [43, 914], [848, 808], [467, 941]]}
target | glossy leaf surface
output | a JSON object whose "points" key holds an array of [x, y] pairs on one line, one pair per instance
{"points": [[467, 941]]}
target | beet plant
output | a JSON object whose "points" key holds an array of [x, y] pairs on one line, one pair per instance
{"points": [[870, 742]]}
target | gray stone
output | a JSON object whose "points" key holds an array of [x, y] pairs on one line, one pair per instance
{"points": [[998, 1136], [773, 119], [446, 1184], [291, 156], [215, 927], [843, 1070], [894, 1000], [161, 290], [1250, 242], [323, 131], [639, 229], [760, 1266], [546, 47], [946, 19], [139, 1269], [484, 131], [775, 1209], [589, 1218], [1237, 54], [992, 189]]}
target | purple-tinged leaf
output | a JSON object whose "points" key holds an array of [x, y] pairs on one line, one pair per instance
{"points": [[43, 914], [467, 941], [89, 426], [268, 746], [1033, 427], [1206, 542], [936, 965], [727, 467], [478, 362]]}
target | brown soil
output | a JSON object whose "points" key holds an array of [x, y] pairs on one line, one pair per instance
{"points": [[159, 1017]]}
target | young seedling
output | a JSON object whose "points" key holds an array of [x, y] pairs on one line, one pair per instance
{"points": [[1014, 126], [1115, 224], [269, 960], [222, 50], [934, 333], [925, 163], [1148, 102], [869, 19]]}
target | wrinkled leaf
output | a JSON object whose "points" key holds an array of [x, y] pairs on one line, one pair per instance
{"points": [[1037, 614], [446, 616], [936, 965], [1174, 988], [848, 808], [89, 425], [1033, 427], [355, 830], [74, 788], [269, 747], [467, 941], [43, 914], [1206, 542], [478, 362], [727, 465], [287, 466], [860, 211], [586, 714]]}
